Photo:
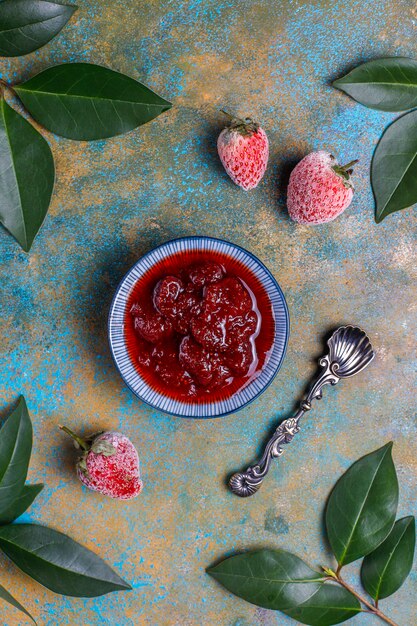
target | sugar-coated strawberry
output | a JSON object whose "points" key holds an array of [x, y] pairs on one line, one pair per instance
{"points": [[319, 189], [243, 149], [109, 464]]}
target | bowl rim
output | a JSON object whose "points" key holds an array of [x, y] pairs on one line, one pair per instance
{"points": [[277, 286]]}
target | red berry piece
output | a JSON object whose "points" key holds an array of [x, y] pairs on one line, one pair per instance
{"points": [[240, 329], [196, 360], [222, 376], [109, 464], [206, 274], [217, 327], [230, 296], [165, 295], [170, 370], [319, 189], [209, 330], [240, 359], [243, 149], [188, 306], [177, 302], [151, 326]]}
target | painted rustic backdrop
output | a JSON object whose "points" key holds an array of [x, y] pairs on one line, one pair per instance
{"points": [[116, 199]]}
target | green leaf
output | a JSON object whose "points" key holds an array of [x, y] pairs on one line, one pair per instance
{"points": [[84, 101], [7, 597], [20, 504], [388, 84], [26, 25], [58, 562], [15, 451], [279, 580], [385, 569], [26, 176], [330, 605], [394, 167], [362, 506]]}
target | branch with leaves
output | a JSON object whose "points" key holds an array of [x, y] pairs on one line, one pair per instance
{"points": [[46, 555], [390, 84], [360, 522], [78, 101]]}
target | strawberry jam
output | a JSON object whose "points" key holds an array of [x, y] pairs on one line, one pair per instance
{"points": [[199, 326]]}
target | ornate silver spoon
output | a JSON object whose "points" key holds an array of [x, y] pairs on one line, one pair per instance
{"points": [[350, 351]]}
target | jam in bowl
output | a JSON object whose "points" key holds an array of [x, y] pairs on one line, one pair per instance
{"points": [[198, 327]]}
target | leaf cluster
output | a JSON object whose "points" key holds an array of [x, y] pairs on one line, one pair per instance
{"points": [[390, 84], [360, 522], [46, 555], [80, 101]]}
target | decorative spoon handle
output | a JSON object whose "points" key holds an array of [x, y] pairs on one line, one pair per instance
{"points": [[350, 351]]}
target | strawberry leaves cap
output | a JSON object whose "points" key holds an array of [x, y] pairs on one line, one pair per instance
{"points": [[345, 171], [245, 127], [103, 447]]}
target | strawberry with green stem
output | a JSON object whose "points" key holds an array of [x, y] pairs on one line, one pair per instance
{"points": [[319, 189], [109, 464], [243, 150]]}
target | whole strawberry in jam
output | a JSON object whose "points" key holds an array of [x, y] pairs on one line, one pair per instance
{"points": [[319, 189], [150, 325], [243, 149], [109, 464]]}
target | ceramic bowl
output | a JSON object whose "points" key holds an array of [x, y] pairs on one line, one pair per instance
{"points": [[201, 409]]}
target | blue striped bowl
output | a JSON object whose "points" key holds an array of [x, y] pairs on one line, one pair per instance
{"points": [[209, 409]]}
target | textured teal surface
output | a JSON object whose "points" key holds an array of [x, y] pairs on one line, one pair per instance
{"points": [[116, 199]]}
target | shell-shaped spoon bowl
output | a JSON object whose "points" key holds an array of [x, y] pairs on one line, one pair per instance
{"points": [[350, 351]]}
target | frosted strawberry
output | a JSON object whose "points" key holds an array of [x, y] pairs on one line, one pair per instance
{"points": [[319, 189], [243, 150], [109, 464]]}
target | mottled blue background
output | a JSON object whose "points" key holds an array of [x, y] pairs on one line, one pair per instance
{"points": [[116, 199]]}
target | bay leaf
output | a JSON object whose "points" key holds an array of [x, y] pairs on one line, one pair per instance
{"points": [[15, 451], [58, 562], [387, 84], [27, 176], [20, 504], [394, 167], [26, 25], [385, 569], [84, 101], [361, 508], [279, 580], [7, 597]]}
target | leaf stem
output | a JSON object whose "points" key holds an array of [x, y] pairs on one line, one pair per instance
{"points": [[371, 608], [350, 164], [81, 442], [3, 87], [230, 116]]}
